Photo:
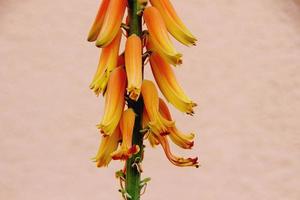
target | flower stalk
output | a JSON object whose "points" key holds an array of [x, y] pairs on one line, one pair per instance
{"points": [[133, 171]]}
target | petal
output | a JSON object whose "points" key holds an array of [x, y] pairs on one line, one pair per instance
{"points": [[108, 61], [126, 126], [158, 124], [114, 101], [98, 22], [173, 23], [112, 22], [158, 36], [168, 85], [133, 63], [182, 140], [107, 146]]}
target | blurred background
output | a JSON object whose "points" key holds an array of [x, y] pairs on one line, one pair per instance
{"points": [[244, 74]]}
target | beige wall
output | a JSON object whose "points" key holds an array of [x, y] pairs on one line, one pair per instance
{"points": [[244, 74]]}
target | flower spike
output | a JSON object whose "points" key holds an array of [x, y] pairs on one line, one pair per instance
{"points": [[159, 38], [108, 61], [114, 101], [112, 22], [168, 85], [108, 145], [133, 63], [158, 124], [173, 23], [126, 125], [98, 22]]}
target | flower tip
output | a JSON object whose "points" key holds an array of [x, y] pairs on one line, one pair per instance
{"points": [[134, 93]]}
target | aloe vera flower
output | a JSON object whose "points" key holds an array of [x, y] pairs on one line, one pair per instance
{"points": [[133, 110]]}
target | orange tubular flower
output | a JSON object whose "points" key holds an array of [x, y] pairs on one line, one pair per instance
{"points": [[126, 125], [114, 101], [178, 161], [112, 22], [158, 124], [174, 24], [158, 35], [98, 22], [133, 63], [108, 145], [108, 61], [168, 85], [182, 140]]}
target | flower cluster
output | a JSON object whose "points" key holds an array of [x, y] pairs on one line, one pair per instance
{"points": [[119, 78]]}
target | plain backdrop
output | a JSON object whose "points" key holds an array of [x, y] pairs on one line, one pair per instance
{"points": [[244, 74]]}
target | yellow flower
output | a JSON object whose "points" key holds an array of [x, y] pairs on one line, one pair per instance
{"points": [[98, 22], [173, 23], [108, 145], [158, 124], [114, 101], [159, 38], [168, 85], [182, 140], [156, 139], [126, 125], [133, 63], [108, 61], [112, 22]]}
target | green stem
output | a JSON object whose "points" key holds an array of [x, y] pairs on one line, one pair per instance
{"points": [[133, 174]]}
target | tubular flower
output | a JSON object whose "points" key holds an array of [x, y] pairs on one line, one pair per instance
{"points": [[98, 22], [108, 61], [114, 101], [158, 35], [156, 139], [158, 124], [126, 125], [182, 140], [133, 63], [173, 23], [178, 161], [108, 145], [112, 22], [168, 85]]}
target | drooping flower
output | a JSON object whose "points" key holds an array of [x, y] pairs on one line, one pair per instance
{"points": [[168, 85], [126, 125], [114, 101], [182, 140], [158, 123], [112, 22], [133, 64], [178, 161], [156, 139], [159, 38], [173, 23], [108, 145], [108, 61], [98, 22]]}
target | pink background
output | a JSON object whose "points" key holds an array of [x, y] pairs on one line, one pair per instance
{"points": [[244, 74]]}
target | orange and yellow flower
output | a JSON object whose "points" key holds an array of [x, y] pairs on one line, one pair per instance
{"points": [[158, 123], [168, 85], [108, 145], [182, 140], [156, 139], [133, 64], [114, 101], [173, 23], [112, 22], [98, 22], [158, 36], [126, 125], [108, 61]]}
